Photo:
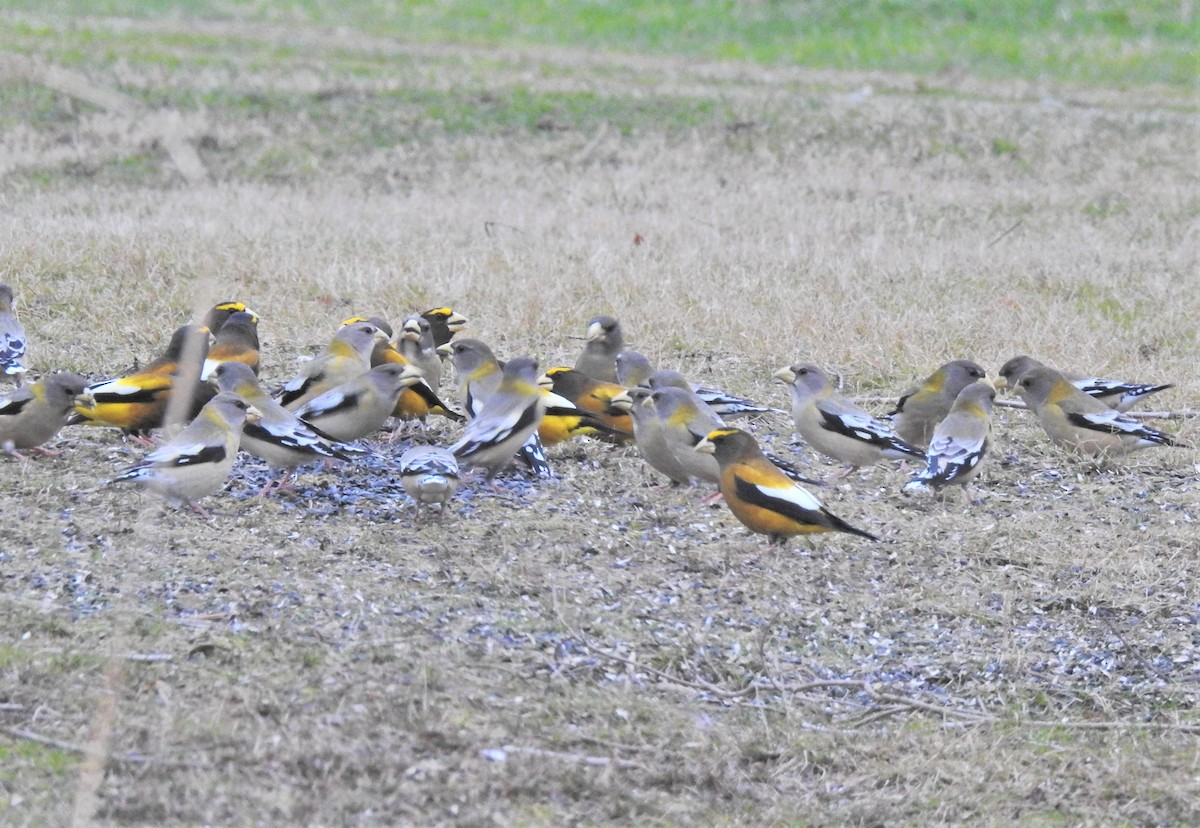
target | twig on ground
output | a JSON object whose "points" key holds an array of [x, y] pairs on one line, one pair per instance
{"points": [[601, 761], [1182, 414]]}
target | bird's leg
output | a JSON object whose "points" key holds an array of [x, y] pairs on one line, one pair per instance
{"points": [[846, 471]]}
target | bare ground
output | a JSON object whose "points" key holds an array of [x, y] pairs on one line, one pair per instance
{"points": [[596, 650]]}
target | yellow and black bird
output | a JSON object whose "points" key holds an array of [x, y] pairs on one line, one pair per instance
{"points": [[444, 323], [142, 400], [235, 341], [219, 314], [762, 497], [594, 396]]}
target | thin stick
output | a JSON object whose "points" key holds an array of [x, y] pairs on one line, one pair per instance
{"points": [[601, 761], [1182, 414], [997, 240]]}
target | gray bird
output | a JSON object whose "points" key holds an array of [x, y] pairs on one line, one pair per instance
{"points": [[32, 415], [430, 475], [604, 341], [12, 339]]}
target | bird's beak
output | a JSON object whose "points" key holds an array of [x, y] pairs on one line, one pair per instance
{"points": [[411, 330], [621, 402], [445, 350], [1000, 384], [456, 322], [381, 335], [785, 375], [85, 399], [545, 383], [595, 331], [411, 375], [253, 414], [705, 446]]}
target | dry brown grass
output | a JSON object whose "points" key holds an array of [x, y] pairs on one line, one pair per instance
{"points": [[604, 652]]}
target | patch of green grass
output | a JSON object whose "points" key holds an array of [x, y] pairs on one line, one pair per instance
{"points": [[40, 757], [1089, 42]]}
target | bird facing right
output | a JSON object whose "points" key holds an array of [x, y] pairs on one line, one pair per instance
{"points": [[762, 497], [33, 414], [506, 420], [927, 403], [960, 442], [197, 460], [604, 341]]}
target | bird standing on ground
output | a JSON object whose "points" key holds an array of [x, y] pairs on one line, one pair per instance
{"points": [[429, 475], [479, 375], [960, 442], [1080, 423], [12, 339], [1114, 393], [196, 461], [361, 405], [926, 404], [277, 436], [347, 356], [762, 497], [33, 414], [684, 421], [594, 396], [507, 419], [648, 434], [141, 401], [836, 427], [604, 341]]}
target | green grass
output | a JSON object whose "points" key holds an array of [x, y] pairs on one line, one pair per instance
{"points": [[1100, 42]]}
